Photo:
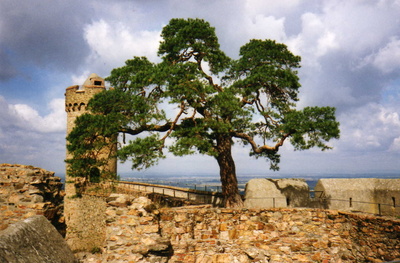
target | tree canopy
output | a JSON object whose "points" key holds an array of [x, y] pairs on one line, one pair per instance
{"points": [[218, 100]]}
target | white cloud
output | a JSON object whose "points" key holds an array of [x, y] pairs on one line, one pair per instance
{"points": [[387, 59], [389, 118], [395, 147], [270, 6], [314, 41], [266, 27], [80, 79], [113, 43], [360, 25], [25, 117], [372, 127], [26, 137], [355, 28]]}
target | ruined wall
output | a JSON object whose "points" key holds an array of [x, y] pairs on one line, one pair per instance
{"points": [[136, 231], [26, 191], [387, 192], [371, 195], [267, 193]]}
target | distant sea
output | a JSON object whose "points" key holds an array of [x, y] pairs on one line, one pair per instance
{"points": [[212, 182]]}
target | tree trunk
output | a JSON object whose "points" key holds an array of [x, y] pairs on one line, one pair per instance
{"points": [[227, 172]]}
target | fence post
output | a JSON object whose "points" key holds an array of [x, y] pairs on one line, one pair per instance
{"points": [[273, 202], [379, 209]]}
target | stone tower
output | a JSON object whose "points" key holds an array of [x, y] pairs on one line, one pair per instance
{"points": [[85, 216], [76, 100]]}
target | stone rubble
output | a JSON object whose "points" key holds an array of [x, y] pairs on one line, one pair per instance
{"points": [[138, 231], [26, 191], [134, 229]]}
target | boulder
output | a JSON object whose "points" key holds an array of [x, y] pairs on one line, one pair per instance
{"points": [[34, 240]]}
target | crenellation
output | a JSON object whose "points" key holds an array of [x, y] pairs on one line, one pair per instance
{"points": [[77, 98]]}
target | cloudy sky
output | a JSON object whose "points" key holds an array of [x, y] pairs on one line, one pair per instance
{"points": [[350, 53]]}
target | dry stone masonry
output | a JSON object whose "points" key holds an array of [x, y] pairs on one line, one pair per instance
{"points": [[138, 231], [26, 191]]}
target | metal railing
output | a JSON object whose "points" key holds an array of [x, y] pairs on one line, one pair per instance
{"points": [[185, 183], [352, 204], [199, 196], [212, 195]]}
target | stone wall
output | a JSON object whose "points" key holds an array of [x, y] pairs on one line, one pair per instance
{"points": [[271, 193], [138, 231], [26, 191], [370, 195], [86, 219], [278, 235]]}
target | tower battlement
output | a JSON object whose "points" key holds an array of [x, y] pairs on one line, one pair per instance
{"points": [[77, 97]]}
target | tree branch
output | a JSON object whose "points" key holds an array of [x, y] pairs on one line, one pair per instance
{"points": [[158, 128], [208, 77], [263, 148], [173, 124]]}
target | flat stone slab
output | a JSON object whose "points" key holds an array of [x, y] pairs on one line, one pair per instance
{"points": [[34, 240]]}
